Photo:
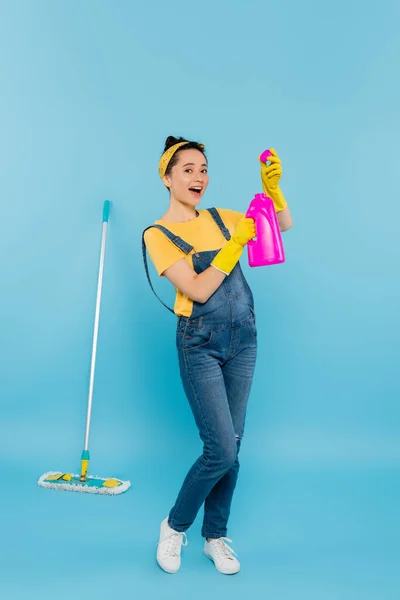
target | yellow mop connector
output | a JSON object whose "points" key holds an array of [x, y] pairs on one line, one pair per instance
{"points": [[85, 465]]}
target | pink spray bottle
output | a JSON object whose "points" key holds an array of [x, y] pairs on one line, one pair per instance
{"points": [[268, 248]]}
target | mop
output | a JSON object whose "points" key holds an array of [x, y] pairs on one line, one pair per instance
{"points": [[86, 483]]}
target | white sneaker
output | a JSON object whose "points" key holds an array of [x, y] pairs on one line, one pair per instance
{"points": [[169, 547], [219, 551]]}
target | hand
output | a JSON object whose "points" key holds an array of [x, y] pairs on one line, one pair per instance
{"points": [[271, 175], [228, 256], [245, 231]]}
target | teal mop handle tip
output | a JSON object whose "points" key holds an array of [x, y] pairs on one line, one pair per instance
{"points": [[106, 211]]}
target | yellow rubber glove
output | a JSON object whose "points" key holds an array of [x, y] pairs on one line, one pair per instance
{"points": [[270, 177], [227, 258]]}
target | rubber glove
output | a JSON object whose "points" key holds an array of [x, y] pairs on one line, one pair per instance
{"points": [[227, 258], [270, 177]]}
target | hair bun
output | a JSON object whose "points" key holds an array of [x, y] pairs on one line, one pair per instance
{"points": [[171, 141]]}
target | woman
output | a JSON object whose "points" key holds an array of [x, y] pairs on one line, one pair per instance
{"points": [[199, 251]]}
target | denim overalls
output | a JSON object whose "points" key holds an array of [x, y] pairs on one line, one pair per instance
{"points": [[217, 347]]}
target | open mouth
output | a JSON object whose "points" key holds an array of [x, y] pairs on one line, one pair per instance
{"points": [[196, 191]]}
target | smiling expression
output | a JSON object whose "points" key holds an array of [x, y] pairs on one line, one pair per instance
{"points": [[188, 179]]}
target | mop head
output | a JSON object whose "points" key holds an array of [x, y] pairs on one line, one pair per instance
{"points": [[93, 485]]}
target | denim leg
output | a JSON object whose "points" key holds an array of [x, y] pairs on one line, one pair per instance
{"points": [[204, 385], [238, 376], [217, 505]]}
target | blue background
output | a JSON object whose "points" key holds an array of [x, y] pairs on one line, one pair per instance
{"points": [[90, 90]]}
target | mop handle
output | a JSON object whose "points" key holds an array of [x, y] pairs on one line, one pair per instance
{"points": [[85, 454]]}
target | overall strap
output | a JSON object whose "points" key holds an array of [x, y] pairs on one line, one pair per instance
{"points": [[179, 242], [217, 218]]}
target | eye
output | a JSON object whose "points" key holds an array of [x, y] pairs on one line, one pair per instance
{"points": [[203, 171]]}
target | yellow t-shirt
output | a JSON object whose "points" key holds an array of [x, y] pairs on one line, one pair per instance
{"points": [[202, 233]]}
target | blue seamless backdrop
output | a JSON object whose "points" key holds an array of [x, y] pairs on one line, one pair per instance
{"points": [[90, 91]]}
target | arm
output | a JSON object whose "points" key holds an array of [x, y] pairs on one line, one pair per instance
{"points": [[198, 287], [284, 219]]}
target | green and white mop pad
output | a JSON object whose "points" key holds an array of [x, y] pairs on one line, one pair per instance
{"points": [[57, 480], [92, 485]]}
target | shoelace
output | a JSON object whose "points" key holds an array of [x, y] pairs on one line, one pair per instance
{"points": [[222, 548], [174, 543]]}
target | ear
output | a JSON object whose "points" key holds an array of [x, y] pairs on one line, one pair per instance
{"points": [[167, 181]]}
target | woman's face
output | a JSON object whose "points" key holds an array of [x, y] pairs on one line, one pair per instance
{"points": [[190, 172]]}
